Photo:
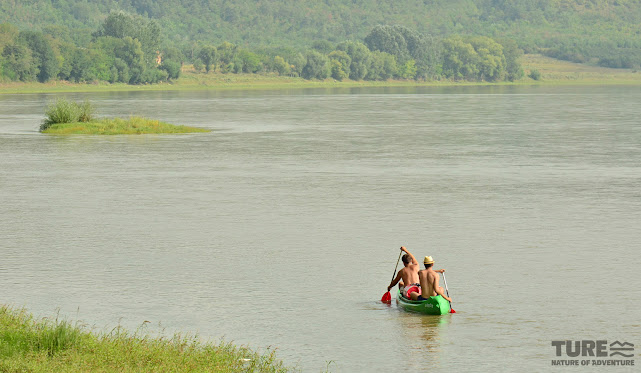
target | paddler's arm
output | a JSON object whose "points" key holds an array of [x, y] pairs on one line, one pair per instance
{"points": [[439, 291], [395, 281], [414, 261], [439, 270]]}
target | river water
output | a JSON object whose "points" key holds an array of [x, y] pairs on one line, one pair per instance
{"points": [[280, 229]]}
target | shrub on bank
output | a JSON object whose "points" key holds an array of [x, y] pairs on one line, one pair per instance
{"points": [[535, 74], [63, 111]]}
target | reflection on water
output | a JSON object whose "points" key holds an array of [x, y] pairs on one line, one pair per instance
{"points": [[424, 334], [280, 227]]}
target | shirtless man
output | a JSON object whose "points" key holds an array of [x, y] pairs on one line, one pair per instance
{"points": [[407, 276], [429, 282]]}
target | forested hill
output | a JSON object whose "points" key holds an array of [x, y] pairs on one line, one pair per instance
{"points": [[600, 31]]}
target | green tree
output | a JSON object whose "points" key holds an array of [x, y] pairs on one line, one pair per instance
{"points": [[323, 46], [67, 51], [474, 58], [360, 56], [81, 66], [382, 67], [122, 71], [173, 54], [130, 51], [172, 61], [101, 64], [342, 68], [250, 61], [408, 70], [19, 63], [297, 62], [459, 59], [226, 55], [121, 25], [172, 68], [281, 66], [198, 65], [389, 39], [8, 34], [317, 66], [491, 61], [209, 56], [59, 33], [512, 53], [406, 44], [337, 70], [150, 76], [43, 54]]}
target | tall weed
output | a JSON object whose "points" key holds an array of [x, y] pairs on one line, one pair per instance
{"points": [[56, 336], [86, 110], [20, 333]]}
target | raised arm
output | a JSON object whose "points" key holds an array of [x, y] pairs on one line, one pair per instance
{"points": [[439, 270], [414, 261]]}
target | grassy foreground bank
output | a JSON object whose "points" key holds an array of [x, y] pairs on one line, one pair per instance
{"points": [[30, 345], [552, 72], [119, 126]]}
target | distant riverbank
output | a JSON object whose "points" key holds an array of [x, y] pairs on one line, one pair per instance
{"points": [[48, 345], [550, 72]]}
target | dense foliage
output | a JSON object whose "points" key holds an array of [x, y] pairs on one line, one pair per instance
{"points": [[120, 41], [129, 48], [604, 32], [123, 49]]}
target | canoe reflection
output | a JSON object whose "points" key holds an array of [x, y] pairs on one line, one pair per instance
{"points": [[423, 336]]}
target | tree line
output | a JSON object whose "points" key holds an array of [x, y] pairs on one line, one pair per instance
{"points": [[598, 32], [124, 49], [131, 49]]}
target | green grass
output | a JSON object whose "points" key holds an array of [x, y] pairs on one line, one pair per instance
{"points": [[30, 345], [119, 126], [558, 72]]}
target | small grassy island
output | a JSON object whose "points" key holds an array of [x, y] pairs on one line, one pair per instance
{"points": [[30, 345], [72, 118]]}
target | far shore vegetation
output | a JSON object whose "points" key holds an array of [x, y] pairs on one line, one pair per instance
{"points": [[28, 344], [72, 118], [138, 41], [131, 49], [538, 70]]}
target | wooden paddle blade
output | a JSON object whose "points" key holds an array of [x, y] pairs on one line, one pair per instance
{"points": [[387, 298]]}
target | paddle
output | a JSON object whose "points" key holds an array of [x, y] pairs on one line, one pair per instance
{"points": [[387, 297], [448, 293]]}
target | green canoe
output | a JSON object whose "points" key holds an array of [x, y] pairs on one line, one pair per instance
{"points": [[433, 306]]}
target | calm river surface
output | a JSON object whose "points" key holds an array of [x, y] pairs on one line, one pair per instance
{"points": [[281, 227]]}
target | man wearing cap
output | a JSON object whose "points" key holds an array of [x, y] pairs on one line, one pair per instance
{"points": [[429, 282], [408, 276]]}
